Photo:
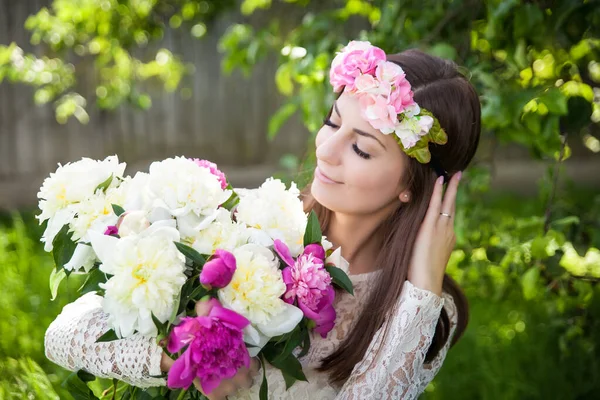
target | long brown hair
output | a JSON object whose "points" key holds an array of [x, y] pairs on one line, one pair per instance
{"points": [[440, 88]]}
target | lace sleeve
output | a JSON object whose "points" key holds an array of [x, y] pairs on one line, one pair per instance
{"points": [[429, 371], [70, 342], [393, 365]]}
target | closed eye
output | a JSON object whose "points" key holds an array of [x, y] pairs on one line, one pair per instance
{"points": [[360, 153], [330, 124]]}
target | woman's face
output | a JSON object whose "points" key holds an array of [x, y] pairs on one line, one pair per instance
{"points": [[359, 169]]}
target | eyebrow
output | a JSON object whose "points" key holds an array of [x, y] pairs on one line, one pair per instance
{"points": [[358, 131]]}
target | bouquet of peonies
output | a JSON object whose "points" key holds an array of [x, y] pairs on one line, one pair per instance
{"points": [[155, 244]]}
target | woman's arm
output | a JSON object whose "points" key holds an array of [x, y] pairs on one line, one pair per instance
{"points": [[393, 365], [71, 343]]}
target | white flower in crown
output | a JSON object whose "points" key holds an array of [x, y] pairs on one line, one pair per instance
{"points": [[71, 184], [410, 130], [274, 212], [147, 275]]}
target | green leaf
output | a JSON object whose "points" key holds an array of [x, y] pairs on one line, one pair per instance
{"points": [[85, 376], [56, 277], [104, 185], [290, 345], [570, 220], [108, 336], [190, 253], [279, 118], [290, 366], [305, 344], [339, 278], [64, 248], [77, 387], [232, 201], [264, 386], [118, 210], [283, 79], [313, 232], [579, 115], [160, 326], [93, 281], [529, 282], [555, 100], [289, 380]]}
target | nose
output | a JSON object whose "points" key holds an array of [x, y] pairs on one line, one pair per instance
{"points": [[329, 146]]}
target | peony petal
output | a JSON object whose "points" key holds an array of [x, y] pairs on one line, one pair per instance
{"points": [[283, 322], [204, 307], [181, 374], [228, 316], [103, 245], [284, 252], [316, 250], [82, 256], [255, 339]]}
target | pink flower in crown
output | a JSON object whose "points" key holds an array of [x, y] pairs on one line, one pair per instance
{"points": [[378, 112], [368, 84], [355, 59], [402, 95], [212, 167], [309, 284], [214, 347]]}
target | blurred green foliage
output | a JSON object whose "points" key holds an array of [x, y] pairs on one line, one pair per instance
{"points": [[107, 33], [530, 267]]}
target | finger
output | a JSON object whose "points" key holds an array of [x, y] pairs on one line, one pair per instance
{"points": [[435, 204], [243, 379], [449, 202], [254, 365]]}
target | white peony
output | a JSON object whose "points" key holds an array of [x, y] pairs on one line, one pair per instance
{"points": [[180, 186], [255, 292], [93, 212], [274, 212], [132, 223], [222, 233], [68, 186], [74, 182], [148, 273]]}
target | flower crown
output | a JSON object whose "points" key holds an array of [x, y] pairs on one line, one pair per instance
{"points": [[385, 97]]}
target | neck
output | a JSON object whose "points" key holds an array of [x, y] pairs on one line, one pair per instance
{"points": [[359, 238]]}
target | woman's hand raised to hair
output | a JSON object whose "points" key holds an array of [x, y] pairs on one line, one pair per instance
{"points": [[244, 378], [435, 240]]}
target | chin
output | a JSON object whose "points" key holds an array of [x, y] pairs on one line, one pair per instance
{"points": [[324, 195]]}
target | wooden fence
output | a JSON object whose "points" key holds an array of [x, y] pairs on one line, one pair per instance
{"points": [[225, 119]]}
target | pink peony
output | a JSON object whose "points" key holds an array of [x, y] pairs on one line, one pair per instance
{"points": [[309, 284], [402, 95], [378, 112], [212, 167], [215, 348], [355, 59], [217, 273]]}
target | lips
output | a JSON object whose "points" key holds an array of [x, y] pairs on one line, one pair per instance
{"points": [[320, 175]]}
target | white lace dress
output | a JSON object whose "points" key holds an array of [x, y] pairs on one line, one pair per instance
{"points": [[393, 367]]}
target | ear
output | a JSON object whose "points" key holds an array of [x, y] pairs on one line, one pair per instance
{"points": [[404, 196]]}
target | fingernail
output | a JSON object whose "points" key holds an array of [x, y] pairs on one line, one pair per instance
{"points": [[459, 173], [440, 180]]}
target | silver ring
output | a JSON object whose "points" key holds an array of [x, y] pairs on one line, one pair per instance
{"points": [[446, 215]]}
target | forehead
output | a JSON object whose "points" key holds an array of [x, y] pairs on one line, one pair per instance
{"points": [[350, 110]]}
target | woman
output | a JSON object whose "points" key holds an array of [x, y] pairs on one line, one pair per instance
{"points": [[382, 159]]}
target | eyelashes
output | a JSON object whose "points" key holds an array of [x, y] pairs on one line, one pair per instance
{"points": [[358, 151]]}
